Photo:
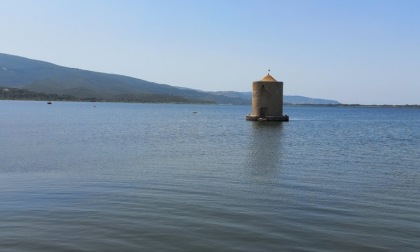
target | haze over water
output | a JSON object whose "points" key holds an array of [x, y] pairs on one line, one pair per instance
{"points": [[158, 177]]}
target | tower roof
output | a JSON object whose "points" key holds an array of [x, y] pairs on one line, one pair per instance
{"points": [[268, 77]]}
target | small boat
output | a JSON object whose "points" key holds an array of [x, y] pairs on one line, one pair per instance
{"points": [[49, 102]]}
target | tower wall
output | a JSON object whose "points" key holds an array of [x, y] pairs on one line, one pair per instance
{"points": [[267, 99]]}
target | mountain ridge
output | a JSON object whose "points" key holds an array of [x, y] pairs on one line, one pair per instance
{"points": [[44, 77]]}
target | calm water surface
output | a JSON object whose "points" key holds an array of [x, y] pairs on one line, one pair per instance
{"points": [[150, 177]]}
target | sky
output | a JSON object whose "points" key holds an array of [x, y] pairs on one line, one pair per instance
{"points": [[352, 51]]}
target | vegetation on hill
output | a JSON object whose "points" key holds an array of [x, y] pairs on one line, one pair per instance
{"points": [[23, 94], [7, 93]]}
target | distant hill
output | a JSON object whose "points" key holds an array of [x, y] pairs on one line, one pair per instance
{"points": [[287, 99], [294, 99], [47, 78]]}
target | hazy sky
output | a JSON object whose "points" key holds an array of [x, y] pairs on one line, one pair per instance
{"points": [[352, 51]]}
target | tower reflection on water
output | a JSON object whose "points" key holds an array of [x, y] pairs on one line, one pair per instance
{"points": [[266, 149]]}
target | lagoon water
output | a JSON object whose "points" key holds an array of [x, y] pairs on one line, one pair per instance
{"points": [[158, 177]]}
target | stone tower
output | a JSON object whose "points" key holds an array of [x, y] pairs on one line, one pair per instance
{"points": [[267, 100]]}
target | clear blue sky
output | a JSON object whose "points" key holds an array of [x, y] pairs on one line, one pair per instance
{"points": [[355, 51]]}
